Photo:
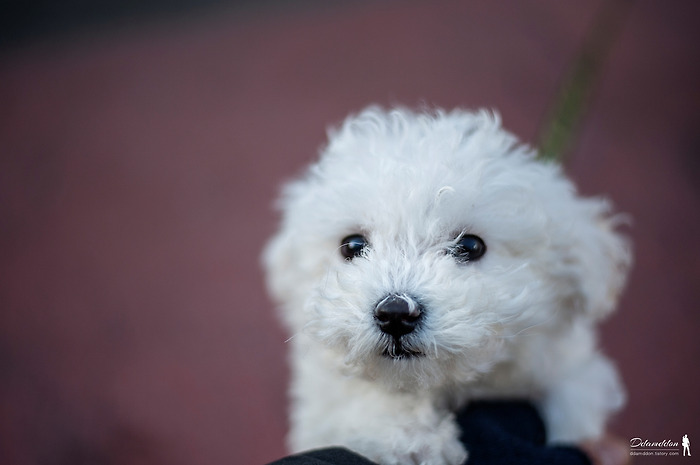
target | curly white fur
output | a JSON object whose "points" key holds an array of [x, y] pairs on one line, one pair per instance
{"points": [[518, 323]]}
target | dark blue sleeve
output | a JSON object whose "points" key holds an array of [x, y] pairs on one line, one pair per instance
{"points": [[511, 433]]}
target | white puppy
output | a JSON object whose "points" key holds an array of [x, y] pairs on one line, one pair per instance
{"points": [[427, 260]]}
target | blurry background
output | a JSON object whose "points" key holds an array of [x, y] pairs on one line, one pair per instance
{"points": [[142, 144]]}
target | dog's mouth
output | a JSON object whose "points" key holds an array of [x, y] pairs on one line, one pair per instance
{"points": [[397, 350]]}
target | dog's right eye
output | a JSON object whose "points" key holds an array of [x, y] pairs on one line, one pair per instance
{"points": [[468, 248], [352, 246]]}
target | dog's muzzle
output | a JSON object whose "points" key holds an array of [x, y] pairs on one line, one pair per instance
{"points": [[398, 315]]}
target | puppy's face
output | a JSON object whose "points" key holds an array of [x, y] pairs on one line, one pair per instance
{"points": [[424, 248]]}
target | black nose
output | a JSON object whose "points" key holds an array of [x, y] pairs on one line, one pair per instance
{"points": [[397, 315]]}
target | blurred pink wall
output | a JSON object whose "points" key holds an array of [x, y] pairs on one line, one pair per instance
{"points": [[138, 168]]}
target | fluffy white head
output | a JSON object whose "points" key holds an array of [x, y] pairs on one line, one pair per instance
{"points": [[413, 185]]}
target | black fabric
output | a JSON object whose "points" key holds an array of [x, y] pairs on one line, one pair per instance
{"points": [[329, 456], [494, 433]]}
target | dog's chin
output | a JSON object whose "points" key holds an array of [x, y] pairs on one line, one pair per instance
{"points": [[407, 368], [408, 363], [402, 348], [397, 350]]}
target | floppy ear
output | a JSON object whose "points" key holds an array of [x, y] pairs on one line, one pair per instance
{"points": [[283, 278], [276, 261], [601, 256], [290, 267], [279, 258]]}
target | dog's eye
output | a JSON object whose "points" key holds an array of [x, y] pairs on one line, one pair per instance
{"points": [[352, 246], [468, 248]]}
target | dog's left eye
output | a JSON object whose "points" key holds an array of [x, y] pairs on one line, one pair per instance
{"points": [[352, 246], [468, 248]]}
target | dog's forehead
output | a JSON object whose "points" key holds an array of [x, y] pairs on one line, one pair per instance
{"points": [[442, 174], [396, 194]]}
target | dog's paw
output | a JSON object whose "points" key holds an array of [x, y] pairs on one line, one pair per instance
{"points": [[416, 446]]}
